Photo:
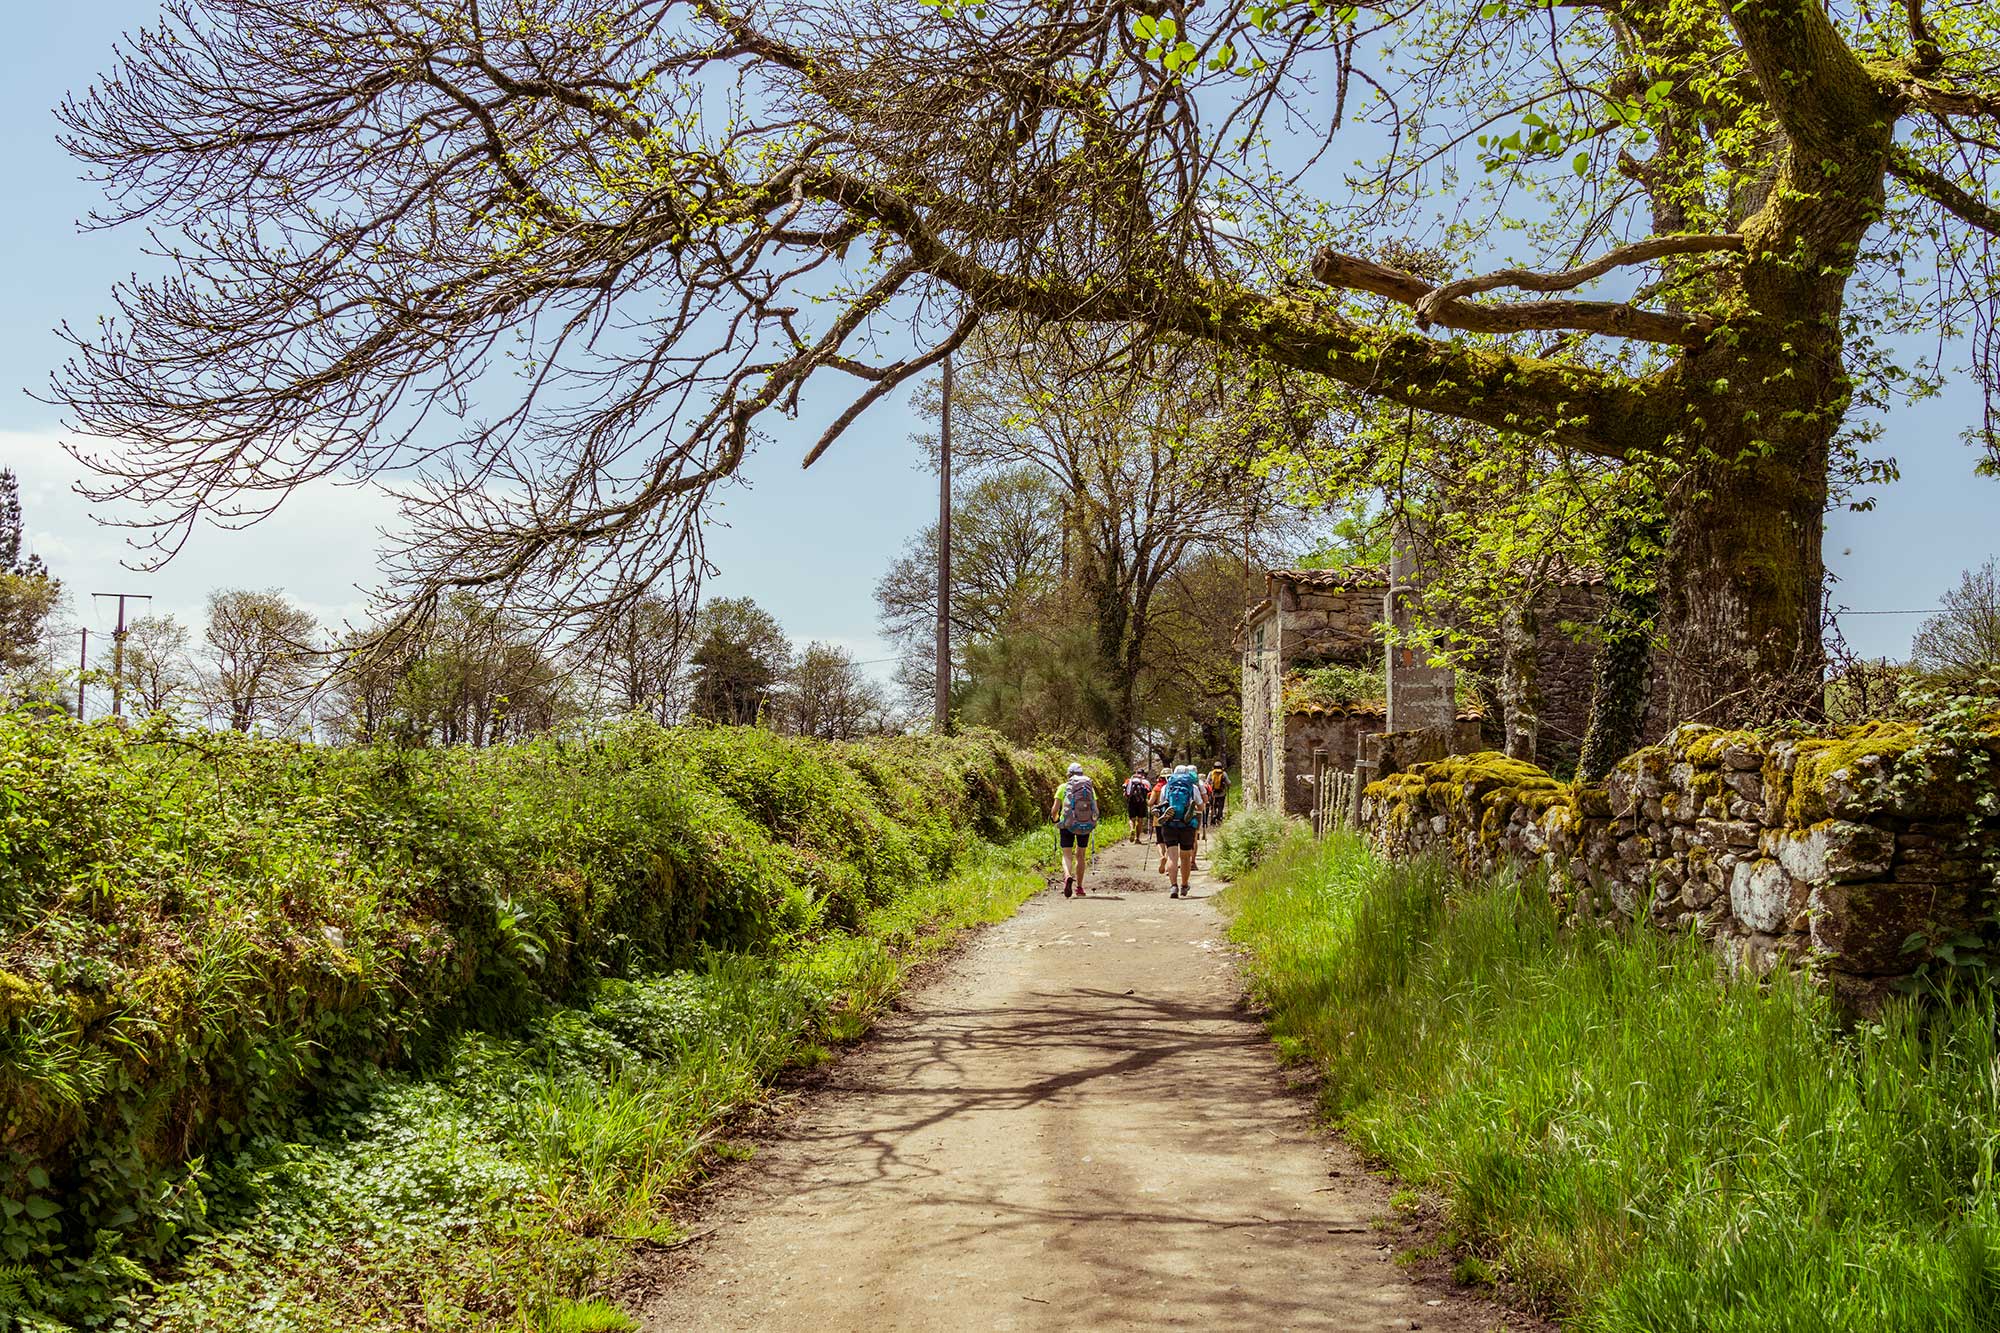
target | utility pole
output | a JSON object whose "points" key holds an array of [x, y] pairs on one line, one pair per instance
{"points": [[82, 665], [118, 648], [942, 720]]}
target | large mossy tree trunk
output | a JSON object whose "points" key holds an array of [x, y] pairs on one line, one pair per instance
{"points": [[1761, 403], [1740, 601]]}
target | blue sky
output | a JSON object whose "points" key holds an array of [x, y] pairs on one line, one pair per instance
{"points": [[807, 545]]}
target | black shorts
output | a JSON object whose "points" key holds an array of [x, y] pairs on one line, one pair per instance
{"points": [[1135, 808], [1178, 835], [1072, 838]]}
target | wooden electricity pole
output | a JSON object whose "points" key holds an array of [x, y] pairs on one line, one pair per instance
{"points": [[82, 665], [942, 720], [118, 648]]}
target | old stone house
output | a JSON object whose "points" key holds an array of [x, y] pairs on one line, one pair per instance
{"points": [[1326, 617]]}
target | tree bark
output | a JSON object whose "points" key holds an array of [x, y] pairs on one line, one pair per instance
{"points": [[1744, 570], [1520, 693], [1740, 605], [1118, 646]]}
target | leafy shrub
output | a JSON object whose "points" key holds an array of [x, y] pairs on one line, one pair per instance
{"points": [[206, 932], [1250, 837]]}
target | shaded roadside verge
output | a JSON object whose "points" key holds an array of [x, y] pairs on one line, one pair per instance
{"points": [[508, 1184]]}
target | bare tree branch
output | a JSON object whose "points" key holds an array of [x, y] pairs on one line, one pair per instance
{"points": [[1617, 319], [1638, 252], [1934, 186]]}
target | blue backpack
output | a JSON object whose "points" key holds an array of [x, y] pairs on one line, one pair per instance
{"points": [[1079, 811], [1180, 798]]}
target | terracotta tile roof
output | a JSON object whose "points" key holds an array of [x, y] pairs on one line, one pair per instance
{"points": [[1353, 576], [1377, 576], [1365, 708]]}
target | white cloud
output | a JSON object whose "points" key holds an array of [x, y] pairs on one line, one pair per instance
{"points": [[320, 548]]}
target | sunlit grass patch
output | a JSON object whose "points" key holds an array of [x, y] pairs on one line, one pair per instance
{"points": [[1613, 1125], [1251, 837]]}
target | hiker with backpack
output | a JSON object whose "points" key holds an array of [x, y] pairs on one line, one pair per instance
{"points": [[1138, 794], [1075, 812], [1218, 792], [1180, 827], [1157, 800]]}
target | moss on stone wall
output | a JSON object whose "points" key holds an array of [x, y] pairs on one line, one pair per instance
{"points": [[1869, 749], [1834, 851], [1707, 746], [1481, 790]]}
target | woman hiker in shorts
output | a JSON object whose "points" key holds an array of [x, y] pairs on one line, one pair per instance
{"points": [[1159, 795], [1075, 812], [1180, 819]]}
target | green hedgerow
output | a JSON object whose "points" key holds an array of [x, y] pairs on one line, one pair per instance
{"points": [[209, 937]]}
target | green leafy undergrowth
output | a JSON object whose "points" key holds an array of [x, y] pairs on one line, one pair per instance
{"points": [[504, 1184], [206, 937], [1614, 1125], [1252, 836]]}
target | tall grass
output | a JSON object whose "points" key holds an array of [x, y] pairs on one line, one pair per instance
{"points": [[1610, 1122]]}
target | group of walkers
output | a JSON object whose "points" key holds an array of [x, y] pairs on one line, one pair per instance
{"points": [[1180, 807]]}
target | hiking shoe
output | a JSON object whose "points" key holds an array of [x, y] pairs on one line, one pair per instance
{"points": [[1067, 881]]}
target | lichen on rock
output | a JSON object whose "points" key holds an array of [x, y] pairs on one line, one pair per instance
{"points": [[1825, 850]]}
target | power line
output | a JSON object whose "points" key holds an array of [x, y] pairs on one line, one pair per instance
{"points": [[1924, 611]]}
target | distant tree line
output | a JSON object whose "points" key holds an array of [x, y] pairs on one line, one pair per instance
{"points": [[470, 675]]}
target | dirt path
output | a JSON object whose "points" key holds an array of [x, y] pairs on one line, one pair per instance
{"points": [[1078, 1126]]}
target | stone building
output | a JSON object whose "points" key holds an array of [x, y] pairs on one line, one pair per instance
{"points": [[1329, 617]]}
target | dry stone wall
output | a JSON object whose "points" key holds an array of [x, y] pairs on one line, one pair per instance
{"points": [[1564, 662], [1862, 855]]}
